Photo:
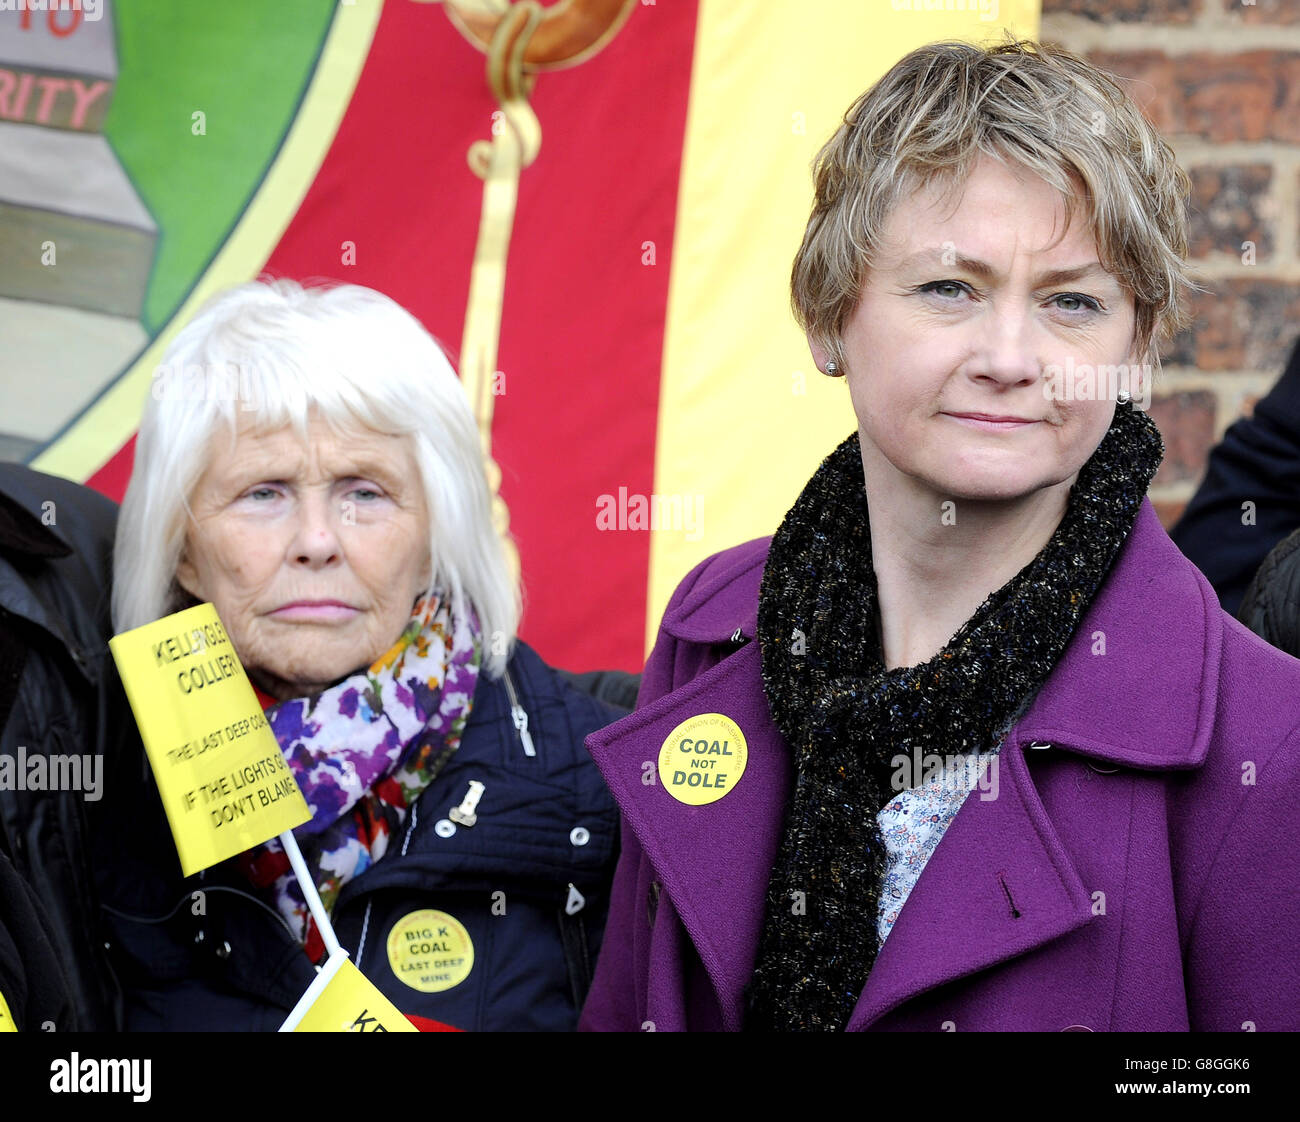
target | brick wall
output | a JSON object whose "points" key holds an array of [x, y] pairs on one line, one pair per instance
{"points": [[1221, 80]]}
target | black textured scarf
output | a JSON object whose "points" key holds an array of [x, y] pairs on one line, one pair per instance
{"points": [[845, 716]]}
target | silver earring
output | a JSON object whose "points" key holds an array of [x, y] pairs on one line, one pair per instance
{"points": [[832, 369], [1123, 397]]}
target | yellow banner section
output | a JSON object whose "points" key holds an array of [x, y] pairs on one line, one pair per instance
{"points": [[223, 780], [6, 1018], [744, 415], [342, 999]]}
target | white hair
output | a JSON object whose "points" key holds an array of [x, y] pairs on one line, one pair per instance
{"points": [[265, 355]]}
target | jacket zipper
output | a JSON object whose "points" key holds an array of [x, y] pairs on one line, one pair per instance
{"points": [[520, 718]]}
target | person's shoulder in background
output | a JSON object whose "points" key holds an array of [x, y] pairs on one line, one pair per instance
{"points": [[1249, 499], [57, 691], [616, 688], [49, 517]]}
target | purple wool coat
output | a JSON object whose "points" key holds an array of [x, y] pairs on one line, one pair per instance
{"points": [[1139, 868]]}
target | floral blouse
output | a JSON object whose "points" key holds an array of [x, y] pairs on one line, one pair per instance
{"points": [[913, 823]]}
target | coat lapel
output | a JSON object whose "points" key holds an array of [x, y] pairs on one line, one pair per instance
{"points": [[1138, 686], [999, 884], [712, 861]]}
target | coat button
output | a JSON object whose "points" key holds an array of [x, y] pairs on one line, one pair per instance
{"points": [[1076, 1028], [223, 951], [1100, 770], [652, 902], [579, 835], [444, 827]]}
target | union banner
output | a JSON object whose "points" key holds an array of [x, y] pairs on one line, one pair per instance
{"points": [[651, 399]]}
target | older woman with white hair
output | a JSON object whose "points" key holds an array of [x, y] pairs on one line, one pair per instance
{"points": [[967, 744], [308, 464]]}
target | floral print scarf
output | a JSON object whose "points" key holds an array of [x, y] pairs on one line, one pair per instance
{"points": [[363, 751]]}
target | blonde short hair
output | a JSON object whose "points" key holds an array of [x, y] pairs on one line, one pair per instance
{"points": [[1040, 106], [269, 354]]}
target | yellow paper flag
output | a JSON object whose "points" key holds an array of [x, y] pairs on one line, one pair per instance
{"points": [[342, 999], [6, 1018], [223, 780]]}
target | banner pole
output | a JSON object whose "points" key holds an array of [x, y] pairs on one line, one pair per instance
{"points": [[310, 894]]}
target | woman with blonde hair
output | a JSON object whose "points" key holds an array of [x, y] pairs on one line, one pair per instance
{"points": [[967, 744]]}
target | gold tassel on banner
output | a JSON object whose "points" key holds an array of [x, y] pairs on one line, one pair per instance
{"points": [[520, 39]]}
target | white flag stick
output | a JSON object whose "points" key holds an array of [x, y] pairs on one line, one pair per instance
{"points": [[323, 978], [309, 892]]}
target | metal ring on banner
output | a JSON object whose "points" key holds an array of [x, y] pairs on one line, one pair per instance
{"points": [[571, 31]]}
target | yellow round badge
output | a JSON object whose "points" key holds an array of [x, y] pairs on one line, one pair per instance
{"points": [[703, 759], [430, 951]]}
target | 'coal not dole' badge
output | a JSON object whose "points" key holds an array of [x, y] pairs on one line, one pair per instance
{"points": [[703, 759]]}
